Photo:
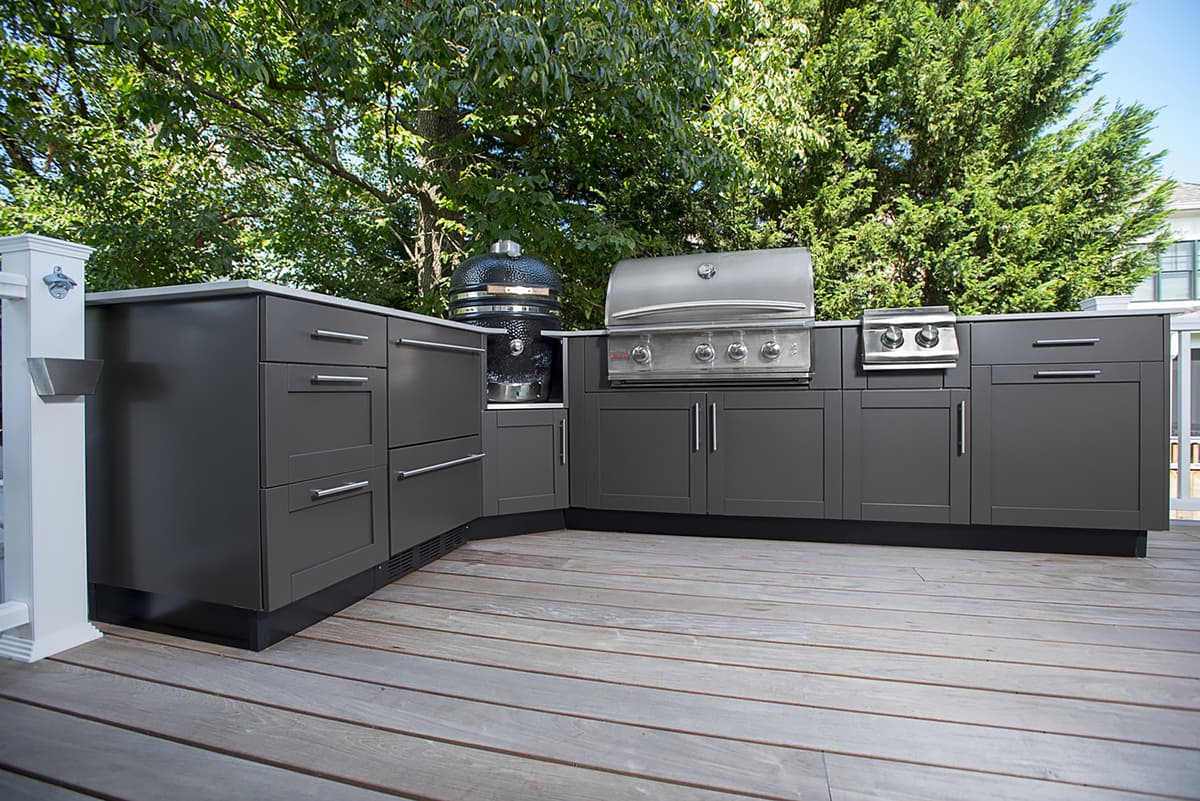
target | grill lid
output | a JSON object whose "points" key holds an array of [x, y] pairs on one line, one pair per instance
{"points": [[710, 288]]}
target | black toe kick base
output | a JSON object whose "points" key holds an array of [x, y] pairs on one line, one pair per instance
{"points": [[224, 625], [1094, 542]]}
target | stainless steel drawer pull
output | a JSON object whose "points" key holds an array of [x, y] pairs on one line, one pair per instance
{"points": [[712, 424], [962, 428], [562, 431], [474, 457], [695, 427], [1066, 374], [1058, 343], [321, 332], [421, 343], [353, 485], [340, 379]]}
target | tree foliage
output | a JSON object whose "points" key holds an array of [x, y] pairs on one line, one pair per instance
{"points": [[924, 149]]}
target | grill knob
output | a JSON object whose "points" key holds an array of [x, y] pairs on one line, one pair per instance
{"points": [[737, 351], [640, 354], [892, 337], [927, 337], [771, 350], [704, 352]]}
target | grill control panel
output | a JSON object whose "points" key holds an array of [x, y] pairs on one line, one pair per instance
{"points": [[781, 353]]}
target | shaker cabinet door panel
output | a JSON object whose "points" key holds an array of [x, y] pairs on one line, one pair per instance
{"points": [[526, 467], [319, 420], [646, 451], [770, 453], [906, 456], [1062, 450], [318, 532]]}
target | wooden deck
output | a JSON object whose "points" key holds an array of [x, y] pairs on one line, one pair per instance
{"points": [[582, 665]]}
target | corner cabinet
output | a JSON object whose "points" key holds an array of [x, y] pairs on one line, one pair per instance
{"points": [[770, 453], [1069, 423], [907, 455], [526, 468]]}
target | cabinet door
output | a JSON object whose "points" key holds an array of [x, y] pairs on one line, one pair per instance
{"points": [[435, 382], [526, 467], [1062, 445], [320, 420], [907, 456], [645, 451], [317, 533], [435, 488], [774, 453]]}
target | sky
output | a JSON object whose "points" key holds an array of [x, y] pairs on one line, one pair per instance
{"points": [[1157, 64]]}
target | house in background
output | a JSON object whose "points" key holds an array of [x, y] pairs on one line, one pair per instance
{"points": [[1176, 285], [1178, 265]]}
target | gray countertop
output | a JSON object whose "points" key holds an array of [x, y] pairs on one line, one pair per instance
{"points": [[217, 288], [222, 288]]}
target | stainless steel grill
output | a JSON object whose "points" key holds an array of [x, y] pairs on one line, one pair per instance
{"points": [[711, 317]]}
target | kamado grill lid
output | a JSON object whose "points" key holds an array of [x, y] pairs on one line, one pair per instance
{"points": [[504, 281]]}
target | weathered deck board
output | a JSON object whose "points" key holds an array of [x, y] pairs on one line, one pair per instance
{"points": [[593, 665]]}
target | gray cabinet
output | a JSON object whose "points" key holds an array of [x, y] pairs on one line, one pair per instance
{"points": [[436, 382], [645, 451], [526, 468], [774, 453], [217, 473], [753, 452], [1075, 445], [435, 487], [907, 455]]}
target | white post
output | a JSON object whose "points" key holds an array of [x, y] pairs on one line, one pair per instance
{"points": [[45, 560]]}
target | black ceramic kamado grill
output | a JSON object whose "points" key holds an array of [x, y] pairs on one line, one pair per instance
{"points": [[523, 295]]}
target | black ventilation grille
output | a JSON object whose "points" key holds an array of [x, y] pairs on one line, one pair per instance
{"points": [[409, 560]]}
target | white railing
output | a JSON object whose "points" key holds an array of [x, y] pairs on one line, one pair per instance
{"points": [[43, 609], [1182, 328]]}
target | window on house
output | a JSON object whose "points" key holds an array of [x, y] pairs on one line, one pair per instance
{"points": [[1176, 278]]}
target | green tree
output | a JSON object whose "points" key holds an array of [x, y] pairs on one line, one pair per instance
{"points": [[948, 168], [420, 130]]}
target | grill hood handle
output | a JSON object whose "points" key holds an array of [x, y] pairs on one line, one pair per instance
{"points": [[759, 306]]}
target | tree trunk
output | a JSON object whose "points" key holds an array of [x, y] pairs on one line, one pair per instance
{"points": [[441, 167]]}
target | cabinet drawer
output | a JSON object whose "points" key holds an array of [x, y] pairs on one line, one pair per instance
{"points": [[320, 419], [1083, 339], [434, 488], [297, 331], [1093, 373], [320, 532], [435, 382]]}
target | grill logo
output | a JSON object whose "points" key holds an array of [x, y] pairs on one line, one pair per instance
{"points": [[618, 355]]}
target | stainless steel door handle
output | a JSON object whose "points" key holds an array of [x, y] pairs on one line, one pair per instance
{"points": [[342, 335], [474, 457], [340, 379], [962, 427], [562, 432], [1058, 343], [353, 485], [421, 343], [712, 426], [696, 427], [1066, 374]]}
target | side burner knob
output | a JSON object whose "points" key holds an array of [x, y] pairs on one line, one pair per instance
{"points": [[771, 350], [892, 337], [640, 354], [927, 337], [704, 352]]}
